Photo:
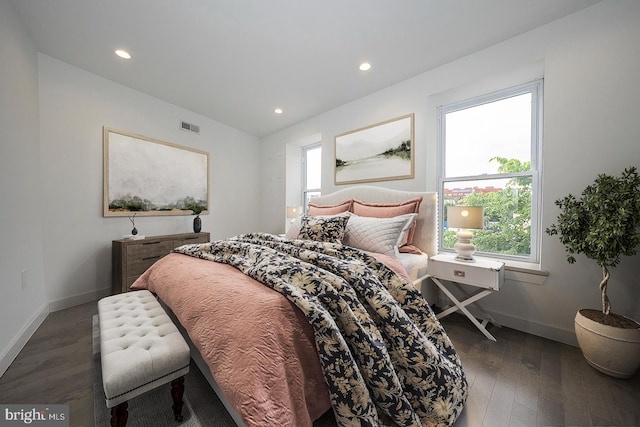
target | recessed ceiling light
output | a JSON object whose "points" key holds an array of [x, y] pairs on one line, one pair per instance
{"points": [[365, 66], [278, 111], [123, 54]]}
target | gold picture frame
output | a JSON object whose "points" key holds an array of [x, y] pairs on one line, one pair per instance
{"points": [[150, 177], [380, 152]]}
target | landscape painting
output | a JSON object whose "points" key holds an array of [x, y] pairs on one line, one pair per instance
{"points": [[148, 177], [379, 152]]}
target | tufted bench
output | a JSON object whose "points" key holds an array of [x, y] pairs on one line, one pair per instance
{"points": [[140, 349]]}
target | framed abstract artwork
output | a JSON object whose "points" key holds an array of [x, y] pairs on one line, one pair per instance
{"points": [[149, 177], [380, 152]]}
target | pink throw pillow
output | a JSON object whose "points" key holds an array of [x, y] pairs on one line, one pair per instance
{"points": [[315, 210]]}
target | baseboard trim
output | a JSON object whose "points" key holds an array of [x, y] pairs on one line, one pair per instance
{"points": [[72, 301], [27, 331], [565, 336], [15, 346], [534, 328]]}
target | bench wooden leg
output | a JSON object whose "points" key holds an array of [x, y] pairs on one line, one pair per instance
{"points": [[177, 391], [119, 415]]}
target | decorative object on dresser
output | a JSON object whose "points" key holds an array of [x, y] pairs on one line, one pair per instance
{"points": [[604, 225], [380, 152], [131, 258], [486, 275], [197, 224], [197, 209], [134, 230], [152, 177], [465, 219]]}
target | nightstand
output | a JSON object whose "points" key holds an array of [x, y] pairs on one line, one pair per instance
{"points": [[486, 275]]}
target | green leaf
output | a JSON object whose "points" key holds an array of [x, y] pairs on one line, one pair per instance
{"points": [[604, 224]]}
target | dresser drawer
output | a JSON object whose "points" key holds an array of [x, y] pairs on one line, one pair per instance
{"points": [[137, 267], [481, 273], [149, 250], [131, 258], [191, 240]]}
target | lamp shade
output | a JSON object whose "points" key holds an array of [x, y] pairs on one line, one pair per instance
{"points": [[467, 217], [294, 211]]}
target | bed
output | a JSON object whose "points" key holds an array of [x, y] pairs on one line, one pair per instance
{"points": [[424, 235], [289, 328]]}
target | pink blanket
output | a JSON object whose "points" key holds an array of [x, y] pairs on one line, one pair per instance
{"points": [[258, 345]]}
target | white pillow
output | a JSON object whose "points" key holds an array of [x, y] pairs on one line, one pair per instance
{"points": [[381, 235]]}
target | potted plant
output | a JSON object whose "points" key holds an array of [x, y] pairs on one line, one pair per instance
{"points": [[197, 209], [604, 225]]}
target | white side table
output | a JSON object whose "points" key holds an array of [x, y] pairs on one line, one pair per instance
{"points": [[486, 275]]}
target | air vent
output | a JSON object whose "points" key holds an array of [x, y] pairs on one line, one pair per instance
{"points": [[190, 127]]}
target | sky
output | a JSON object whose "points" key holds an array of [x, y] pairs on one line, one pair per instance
{"points": [[314, 168], [475, 135]]}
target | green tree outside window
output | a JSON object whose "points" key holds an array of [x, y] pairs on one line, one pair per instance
{"points": [[507, 213]]}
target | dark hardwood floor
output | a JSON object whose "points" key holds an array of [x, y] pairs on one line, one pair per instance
{"points": [[521, 380], [54, 367], [525, 380]]}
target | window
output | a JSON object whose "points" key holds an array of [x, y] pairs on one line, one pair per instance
{"points": [[489, 156], [311, 172]]}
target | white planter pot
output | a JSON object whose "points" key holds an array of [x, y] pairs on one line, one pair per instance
{"points": [[613, 351]]}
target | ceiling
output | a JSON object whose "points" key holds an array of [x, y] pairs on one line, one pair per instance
{"points": [[234, 61]]}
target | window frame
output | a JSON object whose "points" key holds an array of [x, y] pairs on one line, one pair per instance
{"points": [[534, 87], [306, 190]]}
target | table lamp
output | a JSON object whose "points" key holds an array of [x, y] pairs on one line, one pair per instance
{"points": [[465, 218], [293, 212]]}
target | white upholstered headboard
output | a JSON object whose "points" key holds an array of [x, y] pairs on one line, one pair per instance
{"points": [[426, 224]]}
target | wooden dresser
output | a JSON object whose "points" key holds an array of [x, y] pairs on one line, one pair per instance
{"points": [[131, 258]]}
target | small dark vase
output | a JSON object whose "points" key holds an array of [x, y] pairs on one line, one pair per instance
{"points": [[134, 231], [197, 224]]}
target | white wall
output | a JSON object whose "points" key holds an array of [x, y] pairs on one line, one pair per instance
{"points": [[74, 107], [51, 118], [21, 310], [589, 61]]}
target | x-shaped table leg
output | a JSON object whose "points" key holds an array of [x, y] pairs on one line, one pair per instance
{"points": [[461, 305]]}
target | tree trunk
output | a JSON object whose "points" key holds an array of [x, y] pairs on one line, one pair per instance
{"points": [[606, 305]]}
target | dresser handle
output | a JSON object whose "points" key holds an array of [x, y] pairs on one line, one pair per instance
{"points": [[151, 243], [151, 257]]}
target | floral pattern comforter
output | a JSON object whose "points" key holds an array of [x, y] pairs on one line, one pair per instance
{"points": [[386, 358]]}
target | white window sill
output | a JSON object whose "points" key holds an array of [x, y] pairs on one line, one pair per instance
{"points": [[529, 275]]}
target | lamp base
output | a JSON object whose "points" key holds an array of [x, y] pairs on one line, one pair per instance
{"points": [[464, 248]]}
